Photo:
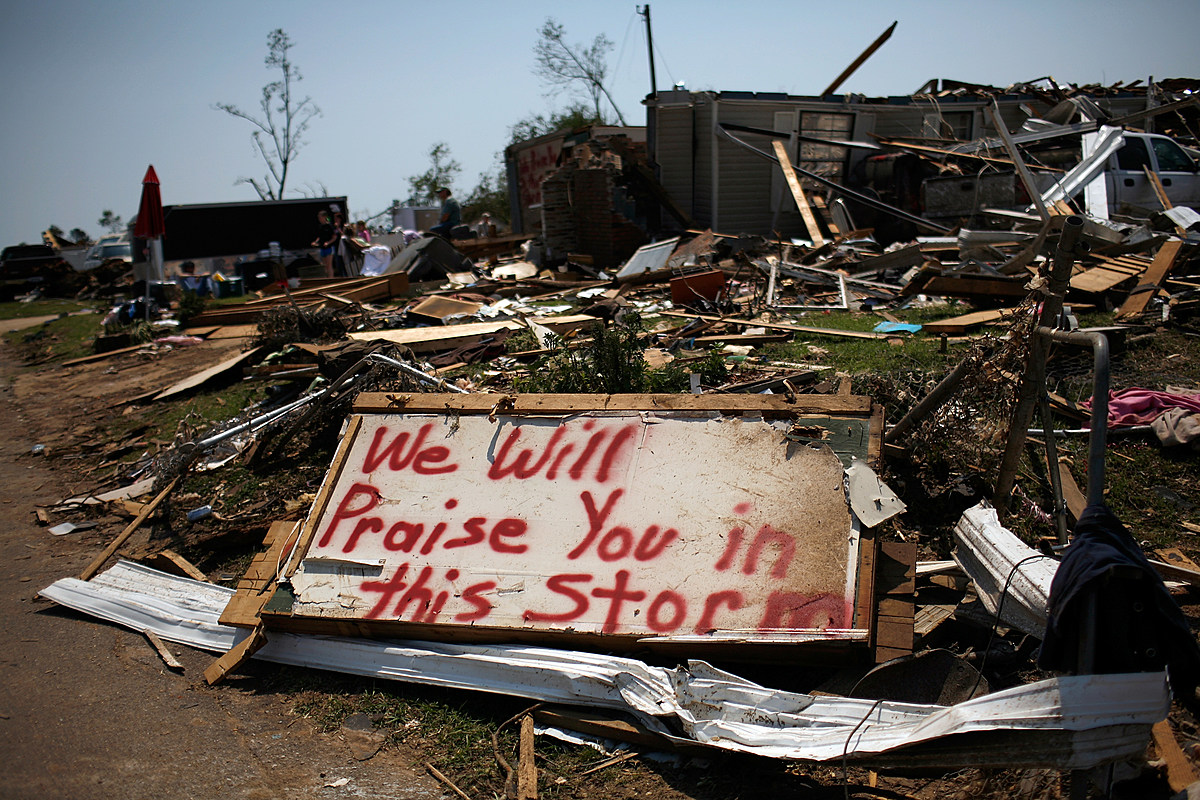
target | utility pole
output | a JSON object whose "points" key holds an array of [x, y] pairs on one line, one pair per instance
{"points": [[645, 12]]}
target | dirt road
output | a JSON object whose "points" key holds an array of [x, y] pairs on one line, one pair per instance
{"points": [[88, 710]]}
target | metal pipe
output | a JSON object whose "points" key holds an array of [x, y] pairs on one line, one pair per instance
{"points": [[1033, 379], [432, 380], [1098, 441]]}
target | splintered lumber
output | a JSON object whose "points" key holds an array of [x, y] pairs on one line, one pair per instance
{"points": [[1108, 273], [166, 655], [1140, 297], [985, 288], [147, 510], [895, 588], [449, 337], [204, 376], [358, 290], [526, 768], [1180, 772], [237, 655], [810, 222], [603, 724], [966, 322], [254, 589], [778, 326], [858, 62], [171, 562]]}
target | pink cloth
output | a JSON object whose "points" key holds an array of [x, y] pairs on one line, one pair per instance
{"points": [[1143, 406]]}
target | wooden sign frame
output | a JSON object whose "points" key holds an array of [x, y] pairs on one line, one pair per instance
{"points": [[680, 456]]}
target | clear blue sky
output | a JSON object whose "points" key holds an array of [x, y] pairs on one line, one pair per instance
{"points": [[94, 92]]}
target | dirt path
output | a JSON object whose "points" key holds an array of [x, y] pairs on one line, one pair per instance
{"points": [[87, 710]]}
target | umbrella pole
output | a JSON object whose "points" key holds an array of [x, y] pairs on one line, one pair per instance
{"points": [[156, 271]]}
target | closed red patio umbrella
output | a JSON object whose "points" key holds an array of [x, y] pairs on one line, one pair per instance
{"points": [[150, 226]]}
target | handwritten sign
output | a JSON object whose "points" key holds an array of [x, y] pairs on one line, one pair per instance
{"points": [[628, 524]]}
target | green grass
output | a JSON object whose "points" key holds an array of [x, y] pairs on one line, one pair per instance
{"points": [[39, 308], [58, 340]]}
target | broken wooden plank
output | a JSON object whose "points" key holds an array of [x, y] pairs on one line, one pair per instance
{"points": [[810, 222], [605, 725], [449, 337], [438, 310], [204, 376], [768, 405], [527, 788], [254, 588], [101, 356], [1156, 184], [237, 655], [1180, 772], [171, 562], [967, 322], [147, 510], [435, 772], [895, 590], [778, 326], [1140, 297], [166, 655]]}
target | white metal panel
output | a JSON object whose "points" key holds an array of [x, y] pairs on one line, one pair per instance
{"points": [[997, 560], [1069, 722]]}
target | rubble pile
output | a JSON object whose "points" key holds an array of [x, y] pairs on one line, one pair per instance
{"points": [[606, 347]]}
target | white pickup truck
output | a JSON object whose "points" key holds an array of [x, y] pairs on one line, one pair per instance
{"points": [[1130, 191]]}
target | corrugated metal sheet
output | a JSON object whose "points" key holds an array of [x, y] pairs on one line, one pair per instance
{"points": [[1068, 723]]}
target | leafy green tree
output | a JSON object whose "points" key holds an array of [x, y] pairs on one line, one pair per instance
{"points": [[562, 67], [79, 236], [111, 221], [443, 170], [56, 231], [573, 116], [284, 119]]}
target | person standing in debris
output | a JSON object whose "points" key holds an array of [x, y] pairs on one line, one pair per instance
{"points": [[483, 229], [451, 214], [325, 241], [339, 244], [362, 231]]}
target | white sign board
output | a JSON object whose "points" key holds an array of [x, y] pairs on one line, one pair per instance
{"points": [[630, 524]]}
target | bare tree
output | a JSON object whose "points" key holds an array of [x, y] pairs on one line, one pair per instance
{"points": [[561, 67], [283, 121]]}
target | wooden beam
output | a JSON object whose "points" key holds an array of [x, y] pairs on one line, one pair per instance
{"points": [[1180, 773], [518, 404], [858, 62], [1152, 176], [810, 222], [527, 775], [1164, 260], [779, 326], [236, 656], [146, 511], [166, 655]]}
